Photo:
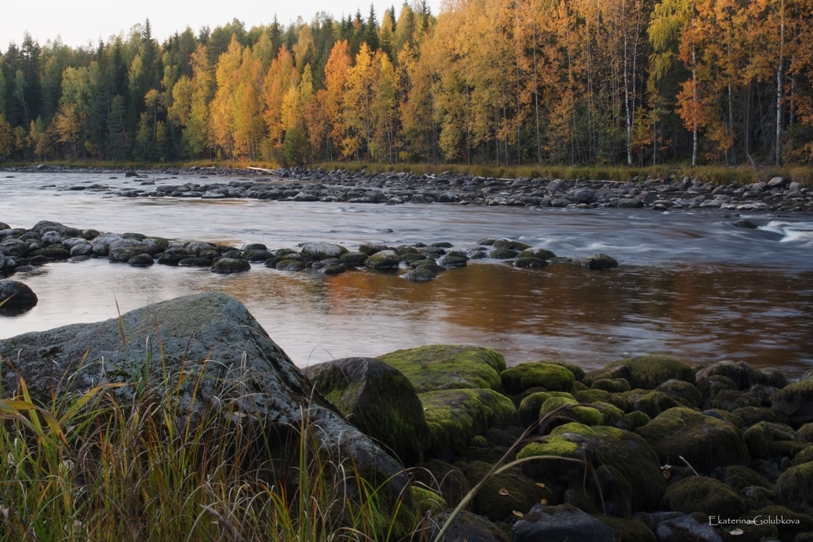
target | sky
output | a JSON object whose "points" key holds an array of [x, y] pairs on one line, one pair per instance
{"points": [[79, 22]]}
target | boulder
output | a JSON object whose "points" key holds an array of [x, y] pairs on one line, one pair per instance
{"points": [[537, 374], [207, 351], [702, 494], [376, 398], [384, 259], [794, 488], [225, 266], [16, 297], [686, 528], [632, 481], [442, 366], [540, 253], [421, 273], [600, 262], [456, 416], [454, 259], [502, 493], [645, 372], [443, 477], [322, 251], [469, 527], [794, 403], [741, 373], [560, 524], [703, 441]]}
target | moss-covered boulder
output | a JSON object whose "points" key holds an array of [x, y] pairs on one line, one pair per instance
{"points": [[645, 372], [702, 494], [633, 420], [794, 403], [322, 251], [739, 477], [444, 366], [537, 374], [503, 493], [454, 259], [759, 437], [445, 479], [385, 259], [630, 457], [510, 244], [571, 411], [592, 395], [703, 441], [353, 259], [468, 526], [612, 385], [290, 265], [377, 399], [421, 274], [805, 433], [539, 253], [794, 488], [530, 406], [454, 417], [427, 501], [652, 403], [145, 260], [683, 392], [752, 415], [600, 262], [225, 266], [16, 296], [530, 263], [560, 523], [503, 254], [741, 373]]}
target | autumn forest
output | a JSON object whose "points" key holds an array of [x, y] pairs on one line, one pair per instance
{"points": [[505, 82]]}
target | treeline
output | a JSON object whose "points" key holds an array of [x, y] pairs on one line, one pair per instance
{"points": [[488, 81]]}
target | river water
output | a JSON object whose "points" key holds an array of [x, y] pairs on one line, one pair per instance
{"points": [[689, 284]]}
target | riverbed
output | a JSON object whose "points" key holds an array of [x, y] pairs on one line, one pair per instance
{"points": [[689, 283]]}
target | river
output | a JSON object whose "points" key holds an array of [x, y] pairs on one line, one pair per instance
{"points": [[689, 284]]}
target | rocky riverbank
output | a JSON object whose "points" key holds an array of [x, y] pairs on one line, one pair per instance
{"points": [[645, 449], [22, 249], [300, 184]]}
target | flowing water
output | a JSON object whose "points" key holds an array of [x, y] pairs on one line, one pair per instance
{"points": [[690, 284]]}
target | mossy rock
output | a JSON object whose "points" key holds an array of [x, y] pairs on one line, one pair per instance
{"points": [[629, 455], [574, 412], [256, 255], [612, 385], [377, 399], [612, 415], [794, 488], [530, 406], [421, 274], [443, 366], [194, 262], [732, 400], [454, 259], [702, 494], [650, 371], [740, 372], [652, 403], [592, 395], [739, 477], [794, 524], [725, 416], [454, 417], [145, 260], [226, 266], [353, 259], [530, 263], [635, 419], [52, 253], [503, 254], [705, 442], [540, 253], [752, 415], [385, 259], [683, 392], [444, 478], [794, 403], [804, 456], [600, 262], [426, 501], [333, 269], [760, 436], [290, 265], [628, 529], [510, 244], [467, 526], [322, 251], [502, 493], [414, 257], [529, 375], [578, 372], [805, 433]]}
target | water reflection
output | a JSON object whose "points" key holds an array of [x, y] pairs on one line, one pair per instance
{"points": [[698, 313]]}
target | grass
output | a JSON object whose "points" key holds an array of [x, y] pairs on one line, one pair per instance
{"points": [[716, 174], [92, 468]]}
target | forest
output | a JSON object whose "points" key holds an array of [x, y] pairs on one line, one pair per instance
{"points": [[505, 82]]}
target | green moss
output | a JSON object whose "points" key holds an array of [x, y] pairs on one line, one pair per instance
{"points": [[648, 372], [503, 493], [683, 392], [759, 437], [550, 446], [804, 456], [528, 375], [426, 501], [611, 413], [612, 385], [795, 402], [530, 406], [441, 367], [701, 494], [704, 442], [635, 419], [454, 417], [794, 488], [618, 400]]}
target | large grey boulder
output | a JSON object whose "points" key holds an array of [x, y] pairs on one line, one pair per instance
{"points": [[215, 354], [560, 524], [15, 296]]}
